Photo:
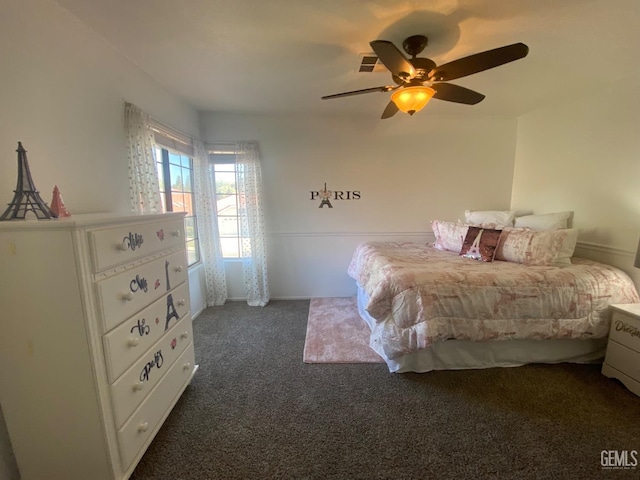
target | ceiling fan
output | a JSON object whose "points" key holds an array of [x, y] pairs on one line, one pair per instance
{"points": [[418, 79]]}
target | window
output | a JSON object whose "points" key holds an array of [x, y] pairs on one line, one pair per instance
{"points": [[236, 174], [175, 175], [227, 202]]}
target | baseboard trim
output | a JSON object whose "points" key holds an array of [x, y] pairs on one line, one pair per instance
{"points": [[599, 248], [286, 297], [429, 236], [350, 234], [195, 315], [293, 297], [614, 256]]}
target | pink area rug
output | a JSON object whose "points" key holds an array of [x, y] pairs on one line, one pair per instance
{"points": [[337, 334]]}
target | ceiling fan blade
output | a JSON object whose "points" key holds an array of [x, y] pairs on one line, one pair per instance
{"points": [[390, 111], [393, 59], [385, 88], [456, 93], [479, 62]]}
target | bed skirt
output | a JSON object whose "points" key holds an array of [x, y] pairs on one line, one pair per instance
{"points": [[464, 354]]}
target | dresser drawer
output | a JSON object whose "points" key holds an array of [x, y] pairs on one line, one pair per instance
{"points": [[623, 359], [625, 329], [124, 344], [144, 422], [116, 245], [135, 384], [127, 293]]}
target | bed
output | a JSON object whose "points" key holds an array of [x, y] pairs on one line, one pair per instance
{"points": [[429, 308]]}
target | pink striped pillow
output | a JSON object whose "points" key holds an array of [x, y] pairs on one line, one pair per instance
{"points": [[532, 247]]}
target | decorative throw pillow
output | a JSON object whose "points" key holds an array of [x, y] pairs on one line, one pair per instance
{"points": [[489, 218], [449, 235], [531, 247], [480, 243], [547, 221]]}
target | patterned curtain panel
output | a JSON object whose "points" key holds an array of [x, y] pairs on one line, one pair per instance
{"points": [[252, 232], [143, 176], [211, 252]]}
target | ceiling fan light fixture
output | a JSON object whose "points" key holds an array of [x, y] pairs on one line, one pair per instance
{"points": [[412, 99]]}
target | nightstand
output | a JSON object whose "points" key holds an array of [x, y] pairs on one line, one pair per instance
{"points": [[622, 360]]}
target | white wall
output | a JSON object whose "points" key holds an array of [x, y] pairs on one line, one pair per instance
{"points": [[62, 95], [584, 155], [408, 171], [62, 91]]}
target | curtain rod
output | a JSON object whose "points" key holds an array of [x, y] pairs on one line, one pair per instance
{"points": [[169, 131], [222, 144], [168, 128]]}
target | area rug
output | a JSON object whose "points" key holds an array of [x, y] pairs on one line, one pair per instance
{"points": [[336, 333]]}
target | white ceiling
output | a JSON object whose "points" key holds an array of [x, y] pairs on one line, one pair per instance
{"points": [[283, 55]]}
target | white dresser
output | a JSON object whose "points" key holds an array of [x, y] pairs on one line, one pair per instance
{"points": [[622, 360], [96, 341]]}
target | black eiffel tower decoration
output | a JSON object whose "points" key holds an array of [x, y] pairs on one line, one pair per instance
{"points": [[26, 198]]}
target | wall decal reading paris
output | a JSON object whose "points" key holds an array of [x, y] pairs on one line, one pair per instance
{"points": [[326, 196]]}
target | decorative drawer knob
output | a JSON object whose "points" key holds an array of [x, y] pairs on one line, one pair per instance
{"points": [[122, 247], [179, 269], [175, 233], [127, 296], [187, 366], [143, 427], [182, 302], [133, 342], [184, 334], [138, 386]]}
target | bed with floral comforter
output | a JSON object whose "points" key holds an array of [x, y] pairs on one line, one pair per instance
{"points": [[417, 296]]}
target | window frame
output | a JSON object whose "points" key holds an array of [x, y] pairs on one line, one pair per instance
{"points": [[223, 155], [170, 142]]}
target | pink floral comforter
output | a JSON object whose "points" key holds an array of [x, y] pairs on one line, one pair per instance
{"points": [[418, 295]]}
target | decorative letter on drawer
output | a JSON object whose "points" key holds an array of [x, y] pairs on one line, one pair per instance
{"points": [[625, 330], [113, 246], [135, 384], [126, 343], [130, 291]]}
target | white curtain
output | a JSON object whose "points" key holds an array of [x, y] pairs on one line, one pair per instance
{"points": [[211, 252], [143, 176], [252, 241]]}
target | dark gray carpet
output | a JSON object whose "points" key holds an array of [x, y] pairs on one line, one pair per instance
{"points": [[254, 410]]}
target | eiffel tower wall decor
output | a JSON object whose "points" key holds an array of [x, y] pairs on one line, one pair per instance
{"points": [[27, 198]]}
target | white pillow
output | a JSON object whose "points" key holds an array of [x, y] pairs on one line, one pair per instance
{"points": [[490, 217], [548, 221]]}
